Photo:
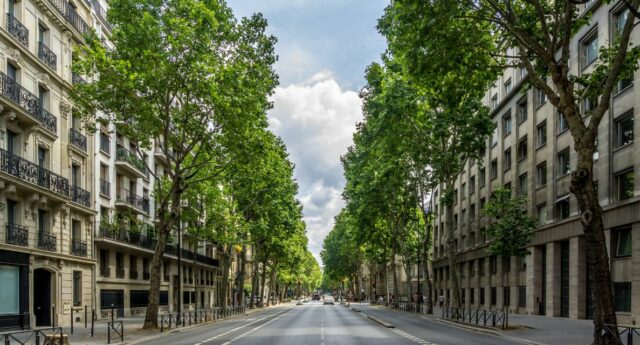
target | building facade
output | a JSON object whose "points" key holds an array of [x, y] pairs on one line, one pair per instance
{"points": [[531, 152], [46, 159]]}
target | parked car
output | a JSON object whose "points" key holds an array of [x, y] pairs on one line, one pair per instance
{"points": [[328, 300]]}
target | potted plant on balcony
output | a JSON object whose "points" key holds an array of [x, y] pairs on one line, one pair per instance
{"points": [[135, 228]]}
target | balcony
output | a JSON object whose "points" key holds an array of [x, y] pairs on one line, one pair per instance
{"points": [[130, 162], [101, 12], [105, 143], [47, 241], [160, 155], [17, 235], [79, 248], [129, 237], [47, 56], [17, 30], [69, 13], [105, 188], [133, 274], [124, 197], [105, 272], [29, 172], [146, 275], [80, 196], [20, 96], [119, 272], [78, 139]]}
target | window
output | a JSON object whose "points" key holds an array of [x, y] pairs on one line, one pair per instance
{"points": [[507, 87], [562, 123], [471, 268], [522, 148], [564, 163], [10, 284], [506, 124], [507, 159], [522, 111], [494, 295], [76, 230], [494, 101], [622, 240], [522, 184], [493, 264], [43, 97], [620, 18], [481, 296], [624, 184], [542, 214], [77, 288], [482, 202], [541, 134], [541, 97], [483, 177], [494, 136], [481, 266], [590, 49], [622, 296], [463, 191], [562, 207], [455, 220], [494, 169], [541, 174], [464, 216], [588, 104], [472, 185], [472, 212], [624, 130], [522, 296], [455, 196]]}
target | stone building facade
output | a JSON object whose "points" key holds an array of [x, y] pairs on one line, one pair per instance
{"points": [[531, 151]]}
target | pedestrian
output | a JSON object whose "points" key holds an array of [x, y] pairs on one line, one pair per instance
{"points": [[441, 300]]}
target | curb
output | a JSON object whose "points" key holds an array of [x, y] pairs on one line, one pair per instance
{"points": [[490, 331], [388, 325]]}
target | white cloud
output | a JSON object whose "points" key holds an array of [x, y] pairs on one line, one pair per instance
{"points": [[316, 119]]}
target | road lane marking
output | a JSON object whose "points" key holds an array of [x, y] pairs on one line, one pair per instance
{"points": [[256, 328], [322, 327], [412, 337], [237, 328]]}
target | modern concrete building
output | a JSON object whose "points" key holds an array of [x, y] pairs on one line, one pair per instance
{"points": [[531, 152], [46, 160]]}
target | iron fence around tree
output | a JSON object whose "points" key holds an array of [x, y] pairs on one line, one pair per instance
{"points": [[40, 336], [492, 318], [174, 320]]}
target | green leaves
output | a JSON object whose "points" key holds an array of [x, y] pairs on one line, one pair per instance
{"points": [[511, 229]]}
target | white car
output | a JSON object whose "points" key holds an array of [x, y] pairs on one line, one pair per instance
{"points": [[328, 300]]}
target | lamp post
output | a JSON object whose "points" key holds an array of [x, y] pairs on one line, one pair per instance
{"points": [[179, 258]]}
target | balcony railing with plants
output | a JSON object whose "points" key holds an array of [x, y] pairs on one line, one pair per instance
{"points": [[47, 241], [70, 14], [78, 139], [30, 172], [79, 248], [129, 233], [122, 154], [26, 100], [17, 235], [124, 195], [47, 55], [17, 30], [80, 196]]}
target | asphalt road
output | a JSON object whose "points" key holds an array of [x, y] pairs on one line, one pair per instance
{"points": [[316, 324]]}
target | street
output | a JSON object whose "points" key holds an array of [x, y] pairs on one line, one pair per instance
{"points": [[314, 323]]}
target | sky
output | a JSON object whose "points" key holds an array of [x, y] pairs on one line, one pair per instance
{"points": [[324, 47]]}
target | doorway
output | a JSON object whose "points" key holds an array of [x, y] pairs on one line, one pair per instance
{"points": [[42, 297]]}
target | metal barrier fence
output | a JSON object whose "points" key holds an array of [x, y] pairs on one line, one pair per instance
{"points": [[494, 318], [627, 333], [174, 320], [117, 327], [416, 308], [42, 336]]}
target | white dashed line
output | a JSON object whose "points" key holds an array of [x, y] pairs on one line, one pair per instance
{"points": [[237, 328], [256, 328], [413, 338]]}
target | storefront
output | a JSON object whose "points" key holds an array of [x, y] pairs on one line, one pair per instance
{"points": [[14, 287]]}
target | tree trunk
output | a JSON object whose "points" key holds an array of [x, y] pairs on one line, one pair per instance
{"points": [[263, 283], [226, 264], [395, 271], [272, 284], [451, 252], [254, 280], [151, 314], [583, 188], [243, 272], [427, 279]]}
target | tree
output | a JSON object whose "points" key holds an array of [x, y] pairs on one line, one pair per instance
{"points": [[535, 35], [512, 226], [187, 77]]}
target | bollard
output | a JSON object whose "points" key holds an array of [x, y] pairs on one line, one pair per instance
{"points": [[85, 316], [93, 319], [111, 313], [108, 334], [71, 322], [630, 336], [53, 315]]}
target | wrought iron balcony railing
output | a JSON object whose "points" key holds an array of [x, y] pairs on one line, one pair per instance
{"points": [[125, 155], [105, 271], [70, 14], [79, 248], [134, 200], [27, 101], [133, 274], [101, 12], [47, 55], [80, 196], [105, 188], [17, 30], [78, 139], [119, 272], [17, 234], [30, 172], [47, 241]]}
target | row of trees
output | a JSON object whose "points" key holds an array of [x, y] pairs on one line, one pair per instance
{"points": [[186, 78], [424, 119]]}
